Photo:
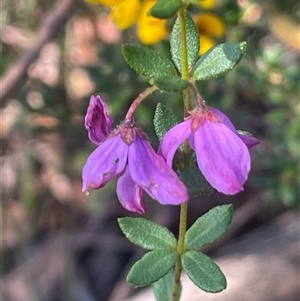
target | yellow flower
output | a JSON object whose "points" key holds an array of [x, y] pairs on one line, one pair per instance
{"points": [[126, 13], [206, 43], [207, 4], [150, 30], [210, 27], [109, 3]]}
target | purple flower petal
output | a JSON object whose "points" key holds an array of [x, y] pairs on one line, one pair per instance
{"points": [[130, 194], [104, 163], [97, 121], [222, 157], [152, 173], [192, 142], [225, 119], [249, 141], [172, 140]]}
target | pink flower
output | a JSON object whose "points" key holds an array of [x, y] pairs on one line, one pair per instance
{"points": [[127, 152], [97, 121], [222, 154]]}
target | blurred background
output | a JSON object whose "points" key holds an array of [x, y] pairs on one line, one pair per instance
{"points": [[58, 244]]}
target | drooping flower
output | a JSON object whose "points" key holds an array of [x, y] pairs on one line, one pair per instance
{"points": [[222, 153], [127, 152], [126, 13]]}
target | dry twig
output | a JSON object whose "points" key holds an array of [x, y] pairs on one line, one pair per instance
{"points": [[49, 29]]}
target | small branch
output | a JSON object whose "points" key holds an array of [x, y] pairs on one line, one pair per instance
{"points": [[50, 28]]}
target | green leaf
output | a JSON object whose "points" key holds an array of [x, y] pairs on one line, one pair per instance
{"points": [[209, 227], [152, 266], [163, 120], [170, 83], [165, 9], [192, 39], [164, 286], [245, 133], [203, 272], [219, 60], [195, 181], [147, 234], [146, 61]]}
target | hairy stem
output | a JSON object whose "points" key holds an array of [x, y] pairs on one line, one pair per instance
{"points": [[186, 103], [184, 58], [180, 250]]}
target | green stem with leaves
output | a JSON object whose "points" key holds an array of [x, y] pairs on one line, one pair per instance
{"points": [[186, 102]]}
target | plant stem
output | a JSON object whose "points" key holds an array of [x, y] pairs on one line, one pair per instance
{"points": [[137, 101], [180, 250], [200, 102], [184, 58], [186, 103], [184, 75]]}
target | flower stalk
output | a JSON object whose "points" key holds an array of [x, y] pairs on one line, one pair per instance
{"points": [[137, 101], [200, 102]]}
